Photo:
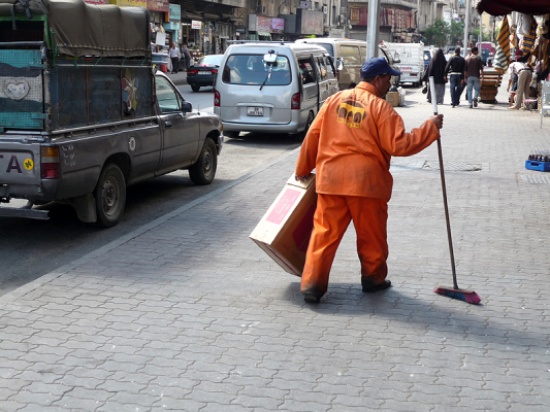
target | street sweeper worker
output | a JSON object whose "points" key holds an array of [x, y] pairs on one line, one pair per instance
{"points": [[350, 144]]}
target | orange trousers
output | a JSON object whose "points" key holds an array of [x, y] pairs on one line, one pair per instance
{"points": [[331, 220]]}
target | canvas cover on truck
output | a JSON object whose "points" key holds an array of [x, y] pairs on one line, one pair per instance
{"points": [[80, 29]]}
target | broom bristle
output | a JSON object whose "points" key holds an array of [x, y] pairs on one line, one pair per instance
{"points": [[468, 296]]}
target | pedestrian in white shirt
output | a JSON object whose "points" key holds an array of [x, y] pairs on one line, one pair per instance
{"points": [[175, 57], [525, 75]]}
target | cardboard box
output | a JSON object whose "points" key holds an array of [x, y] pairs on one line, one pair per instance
{"points": [[393, 98], [284, 231]]}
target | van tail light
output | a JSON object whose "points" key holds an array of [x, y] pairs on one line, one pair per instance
{"points": [[296, 101], [216, 98], [49, 163]]}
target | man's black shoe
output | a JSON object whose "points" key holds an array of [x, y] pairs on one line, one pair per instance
{"points": [[375, 288], [310, 297]]}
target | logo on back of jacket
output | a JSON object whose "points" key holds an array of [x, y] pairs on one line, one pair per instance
{"points": [[351, 113]]}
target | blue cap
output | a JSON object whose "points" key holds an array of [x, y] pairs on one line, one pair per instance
{"points": [[377, 66]]}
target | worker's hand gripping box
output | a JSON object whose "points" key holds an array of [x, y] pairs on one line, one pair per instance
{"points": [[284, 231]]}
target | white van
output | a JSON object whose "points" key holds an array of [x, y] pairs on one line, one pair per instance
{"points": [[411, 61], [348, 56], [272, 87]]}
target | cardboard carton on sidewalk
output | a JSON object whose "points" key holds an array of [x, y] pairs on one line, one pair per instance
{"points": [[285, 229]]}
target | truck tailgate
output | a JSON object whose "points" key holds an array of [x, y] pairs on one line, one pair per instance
{"points": [[19, 166]]}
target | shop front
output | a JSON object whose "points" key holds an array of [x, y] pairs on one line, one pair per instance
{"points": [[527, 45]]}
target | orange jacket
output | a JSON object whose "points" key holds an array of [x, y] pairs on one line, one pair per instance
{"points": [[351, 142]]}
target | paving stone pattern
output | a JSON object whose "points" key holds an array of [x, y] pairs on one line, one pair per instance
{"points": [[188, 314]]}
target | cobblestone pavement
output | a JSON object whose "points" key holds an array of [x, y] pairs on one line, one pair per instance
{"points": [[188, 314]]}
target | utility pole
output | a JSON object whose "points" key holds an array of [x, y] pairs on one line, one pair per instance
{"points": [[466, 26], [372, 30]]}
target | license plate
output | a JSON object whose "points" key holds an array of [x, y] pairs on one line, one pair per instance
{"points": [[255, 111], [17, 163], [203, 73]]}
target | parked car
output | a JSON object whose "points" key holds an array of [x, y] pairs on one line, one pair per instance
{"points": [[204, 72]]}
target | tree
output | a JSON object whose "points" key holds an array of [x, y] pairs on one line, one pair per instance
{"points": [[456, 34], [486, 35], [438, 33]]}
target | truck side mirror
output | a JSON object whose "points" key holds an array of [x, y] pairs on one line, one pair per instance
{"points": [[187, 107]]}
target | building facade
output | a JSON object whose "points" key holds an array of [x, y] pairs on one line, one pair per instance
{"points": [[208, 26]]}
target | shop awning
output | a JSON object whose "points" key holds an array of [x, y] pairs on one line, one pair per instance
{"points": [[189, 15], [502, 7], [211, 16]]}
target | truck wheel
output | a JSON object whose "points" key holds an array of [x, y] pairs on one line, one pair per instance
{"points": [[110, 195], [195, 88], [204, 169]]}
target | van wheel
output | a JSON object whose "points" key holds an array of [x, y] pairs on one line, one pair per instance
{"points": [[202, 172], [302, 135], [195, 88], [110, 195]]}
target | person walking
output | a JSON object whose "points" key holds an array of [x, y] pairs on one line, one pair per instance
{"points": [[455, 72], [473, 71], [436, 68], [175, 56], [350, 144], [186, 55]]}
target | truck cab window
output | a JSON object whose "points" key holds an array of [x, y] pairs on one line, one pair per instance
{"points": [[168, 99]]}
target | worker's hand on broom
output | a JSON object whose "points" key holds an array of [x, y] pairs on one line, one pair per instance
{"points": [[438, 120]]}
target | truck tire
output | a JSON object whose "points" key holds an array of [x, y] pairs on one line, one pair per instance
{"points": [[110, 195], [202, 172]]}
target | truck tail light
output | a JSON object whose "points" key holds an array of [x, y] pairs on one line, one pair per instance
{"points": [[49, 162], [216, 98], [296, 101]]}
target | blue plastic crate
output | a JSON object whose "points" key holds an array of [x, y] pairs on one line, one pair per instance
{"points": [[536, 165]]}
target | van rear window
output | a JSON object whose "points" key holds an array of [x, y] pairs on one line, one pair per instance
{"points": [[250, 69]]}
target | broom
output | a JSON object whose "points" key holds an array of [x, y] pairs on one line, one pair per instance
{"points": [[468, 296]]}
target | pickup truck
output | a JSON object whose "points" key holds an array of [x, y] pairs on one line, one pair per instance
{"points": [[84, 113]]}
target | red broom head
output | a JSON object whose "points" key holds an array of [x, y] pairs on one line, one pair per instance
{"points": [[468, 296]]}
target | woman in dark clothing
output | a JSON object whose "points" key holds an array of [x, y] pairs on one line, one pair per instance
{"points": [[436, 69]]}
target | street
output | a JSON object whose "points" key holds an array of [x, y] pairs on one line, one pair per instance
{"points": [[30, 248], [186, 313]]}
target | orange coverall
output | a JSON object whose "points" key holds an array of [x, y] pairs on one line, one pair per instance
{"points": [[350, 144]]}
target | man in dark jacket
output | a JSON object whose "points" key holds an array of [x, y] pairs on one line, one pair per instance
{"points": [[455, 73]]}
